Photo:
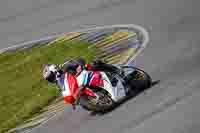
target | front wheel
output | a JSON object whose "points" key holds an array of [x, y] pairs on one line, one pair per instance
{"points": [[101, 103]]}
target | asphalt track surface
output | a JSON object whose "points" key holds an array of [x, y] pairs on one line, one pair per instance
{"points": [[172, 106]]}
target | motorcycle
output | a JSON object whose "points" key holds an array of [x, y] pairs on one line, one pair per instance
{"points": [[118, 85]]}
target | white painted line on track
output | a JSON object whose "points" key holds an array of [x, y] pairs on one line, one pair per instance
{"points": [[44, 122], [29, 43]]}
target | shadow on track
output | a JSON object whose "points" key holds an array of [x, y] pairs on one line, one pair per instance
{"points": [[134, 94]]}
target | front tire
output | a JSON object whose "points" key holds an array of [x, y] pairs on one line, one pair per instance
{"points": [[90, 103]]}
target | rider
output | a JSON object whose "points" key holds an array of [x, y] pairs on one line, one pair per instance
{"points": [[71, 77]]}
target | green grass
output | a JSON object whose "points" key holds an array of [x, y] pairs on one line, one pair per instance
{"points": [[23, 92]]}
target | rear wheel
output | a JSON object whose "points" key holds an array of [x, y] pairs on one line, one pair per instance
{"points": [[138, 79], [101, 103]]}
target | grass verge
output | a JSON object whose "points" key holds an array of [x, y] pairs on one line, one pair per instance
{"points": [[23, 92]]}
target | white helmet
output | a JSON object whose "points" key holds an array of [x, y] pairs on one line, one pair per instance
{"points": [[49, 72]]}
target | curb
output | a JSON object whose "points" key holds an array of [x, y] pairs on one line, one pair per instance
{"points": [[32, 43]]}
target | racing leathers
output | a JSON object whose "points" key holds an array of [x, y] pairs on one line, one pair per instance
{"points": [[71, 84]]}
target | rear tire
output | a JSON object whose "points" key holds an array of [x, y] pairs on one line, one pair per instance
{"points": [[138, 79]]}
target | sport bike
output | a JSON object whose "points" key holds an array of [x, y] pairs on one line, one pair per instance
{"points": [[117, 86]]}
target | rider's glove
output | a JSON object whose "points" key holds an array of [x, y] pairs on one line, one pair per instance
{"points": [[73, 106]]}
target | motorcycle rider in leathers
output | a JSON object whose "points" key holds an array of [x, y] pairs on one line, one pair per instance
{"points": [[74, 75]]}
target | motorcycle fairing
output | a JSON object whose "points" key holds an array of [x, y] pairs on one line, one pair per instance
{"points": [[117, 92], [90, 78], [96, 79], [100, 79], [88, 92]]}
